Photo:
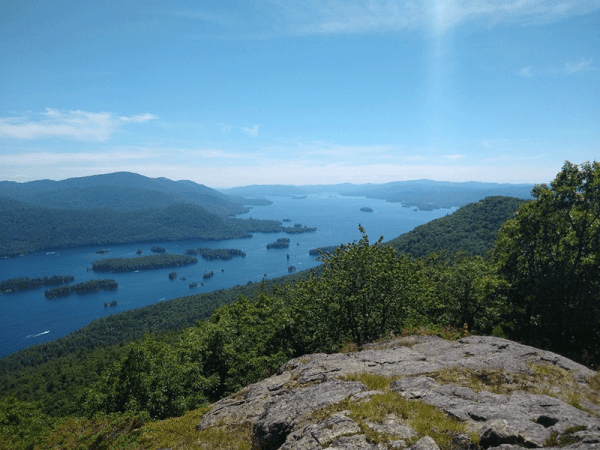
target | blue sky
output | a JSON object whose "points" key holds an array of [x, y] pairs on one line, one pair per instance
{"points": [[229, 93]]}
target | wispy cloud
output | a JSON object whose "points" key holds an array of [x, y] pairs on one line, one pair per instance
{"points": [[453, 157], [526, 72], [78, 125], [569, 68], [252, 132], [360, 16], [141, 118], [583, 65]]}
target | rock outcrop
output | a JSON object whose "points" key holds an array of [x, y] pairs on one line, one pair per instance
{"points": [[503, 394]]}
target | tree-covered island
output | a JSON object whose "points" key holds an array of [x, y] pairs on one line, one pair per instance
{"points": [[298, 228], [211, 254], [279, 243], [82, 288], [23, 284], [142, 263]]}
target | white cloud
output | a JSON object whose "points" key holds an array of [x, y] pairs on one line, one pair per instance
{"points": [[525, 72], [453, 157], [581, 66], [78, 125], [359, 16], [141, 118], [252, 132]]}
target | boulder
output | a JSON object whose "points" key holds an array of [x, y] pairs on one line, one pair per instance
{"points": [[289, 410]]}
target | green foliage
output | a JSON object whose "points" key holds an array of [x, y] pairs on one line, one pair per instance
{"points": [[468, 293], [550, 255], [142, 263], [82, 288], [101, 432], [22, 424], [26, 228], [22, 284], [472, 229], [153, 377], [245, 341], [364, 292]]}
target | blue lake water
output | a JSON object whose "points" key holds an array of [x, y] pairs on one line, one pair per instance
{"points": [[28, 318]]}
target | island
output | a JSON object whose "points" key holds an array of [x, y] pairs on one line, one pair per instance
{"points": [[24, 284], [139, 251], [142, 263], [158, 249], [82, 288], [103, 251], [208, 275], [317, 251], [291, 269], [298, 228], [219, 253], [366, 209], [280, 243], [113, 303], [193, 285], [173, 276]]}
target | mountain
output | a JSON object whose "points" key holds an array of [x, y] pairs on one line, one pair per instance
{"points": [[472, 229], [422, 194], [122, 191], [26, 228]]}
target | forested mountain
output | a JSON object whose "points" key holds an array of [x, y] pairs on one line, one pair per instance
{"points": [[122, 191], [363, 292], [423, 194], [471, 229], [26, 228]]}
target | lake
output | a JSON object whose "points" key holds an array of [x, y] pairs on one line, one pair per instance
{"points": [[28, 318]]}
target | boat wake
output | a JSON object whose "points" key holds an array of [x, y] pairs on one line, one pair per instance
{"points": [[36, 335]]}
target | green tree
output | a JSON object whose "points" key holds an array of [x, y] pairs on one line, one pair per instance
{"points": [[363, 293], [468, 292], [550, 255], [154, 377]]}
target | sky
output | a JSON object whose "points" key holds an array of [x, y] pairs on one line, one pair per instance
{"points": [[238, 92]]}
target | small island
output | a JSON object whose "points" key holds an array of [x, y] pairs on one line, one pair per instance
{"points": [[208, 275], [142, 263], [366, 209], [82, 288], [291, 269], [139, 251], [193, 285], [24, 284], [158, 249], [113, 303], [219, 253], [173, 276], [298, 228], [102, 252], [280, 243], [318, 251]]}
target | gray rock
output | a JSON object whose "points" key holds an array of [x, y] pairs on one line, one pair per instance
{"points": [[425, 443], [281, 408], [284, 412]]}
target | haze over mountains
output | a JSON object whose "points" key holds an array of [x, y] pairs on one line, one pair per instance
{"points": [[125, 207]]}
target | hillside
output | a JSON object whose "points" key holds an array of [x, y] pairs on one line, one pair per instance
{"points": [[123, 191], [26, 228], [471, 229]]}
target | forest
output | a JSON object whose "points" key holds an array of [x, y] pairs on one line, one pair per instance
{"points": [[82, 288], [142, 263], [26, 228], [539, 285], [212, 254], [23, 284]]}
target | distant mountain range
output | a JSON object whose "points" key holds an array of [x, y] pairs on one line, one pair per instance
{"points": [[123, 191], [422, 194]]}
